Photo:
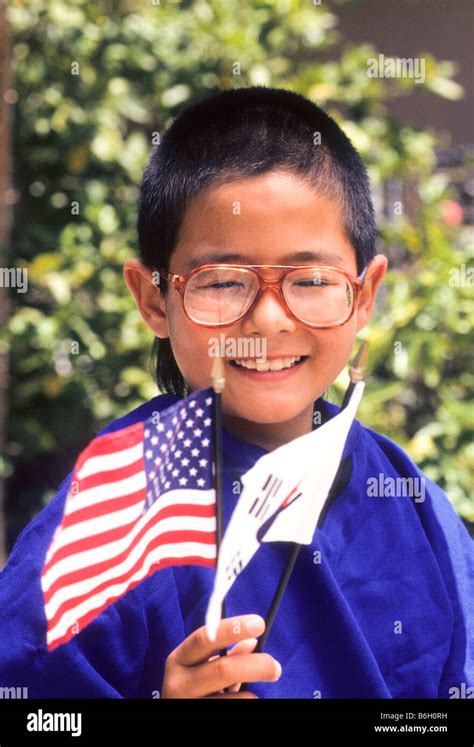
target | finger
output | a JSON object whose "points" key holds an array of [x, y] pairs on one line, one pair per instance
{"points": [[219, 674], [243, 647], [246, 695], [197, 648]]}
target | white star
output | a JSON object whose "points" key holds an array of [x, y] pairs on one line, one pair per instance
{"points": [[175, 420], [205, 442], [163, 447], [207, 421], [148, 454], [182, 412], [160, 427], [197, 432], [152, 475], [187, 443], [189, 423], [169, 434], [169, 466], [180, 435], [175, 472], [192, 404], [199, 412], [208, 401], [200, 482], [167, 484], [157, 461], [154, 440], [147, 433], [194, 452], [202, 462], [178, 453], [193, 471], [182, 480], [184, 462]]}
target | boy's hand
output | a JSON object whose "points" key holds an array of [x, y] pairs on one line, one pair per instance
{"points": [[194, 671]]}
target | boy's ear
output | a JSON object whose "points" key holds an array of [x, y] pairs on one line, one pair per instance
{"points": [[141, 281], [376, 270]]}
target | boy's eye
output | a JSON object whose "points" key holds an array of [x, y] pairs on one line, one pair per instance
{"points": [[220, 285], [310, 283]]}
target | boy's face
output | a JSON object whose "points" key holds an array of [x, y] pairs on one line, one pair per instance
{"points": [[264, 219]]}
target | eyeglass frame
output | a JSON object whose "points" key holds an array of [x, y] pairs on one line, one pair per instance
{"points": [[179, 283]]}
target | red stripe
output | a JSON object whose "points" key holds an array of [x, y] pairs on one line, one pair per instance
{"points": [[285, 501], [207, 538], [63, 552], [87, 618], [110, 443], [104, 477], [112, 535], [104, 508]]}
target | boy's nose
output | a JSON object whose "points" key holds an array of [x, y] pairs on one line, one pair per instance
{"points": [[269, 316]]}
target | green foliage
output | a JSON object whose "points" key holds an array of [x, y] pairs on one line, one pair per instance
{"points": [[95, 82]]}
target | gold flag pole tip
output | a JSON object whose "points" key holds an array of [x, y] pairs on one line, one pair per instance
{"points": [[359, 364], [217, 374]]}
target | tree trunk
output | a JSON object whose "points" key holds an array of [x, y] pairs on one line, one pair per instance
{"points": [[6, 101]]}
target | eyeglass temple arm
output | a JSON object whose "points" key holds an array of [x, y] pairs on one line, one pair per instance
{"points": [[362, 275]]}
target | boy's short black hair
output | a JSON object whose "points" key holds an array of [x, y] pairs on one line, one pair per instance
{"points": [[235, 134]]}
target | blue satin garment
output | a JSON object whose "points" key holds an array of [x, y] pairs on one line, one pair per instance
{"points": [[380, 605]]}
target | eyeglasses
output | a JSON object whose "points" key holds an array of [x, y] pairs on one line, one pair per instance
{"points": [[220, 295]]}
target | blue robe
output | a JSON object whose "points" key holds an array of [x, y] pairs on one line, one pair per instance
{"points": [[380, 605]]}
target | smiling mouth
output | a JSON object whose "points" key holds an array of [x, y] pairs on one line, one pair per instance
{"points": [[276, 364]]}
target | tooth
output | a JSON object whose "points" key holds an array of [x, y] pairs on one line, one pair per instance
{"points": [[276, 365]]}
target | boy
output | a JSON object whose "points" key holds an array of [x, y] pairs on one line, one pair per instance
{"points": [[256, 217]]}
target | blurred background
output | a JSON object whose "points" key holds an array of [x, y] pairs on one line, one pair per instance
{"points": [[86, 89]]}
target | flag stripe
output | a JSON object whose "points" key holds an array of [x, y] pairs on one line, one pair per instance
{"points": [[98, 527], [106, 491], [56, 639], [111, 444], [59, 546], [75, 570], [119, 473], [152, 558], [97, 557], [58, 609], [121, 518], [98, 510]]}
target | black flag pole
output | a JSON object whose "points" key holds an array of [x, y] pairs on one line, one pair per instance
{"points": [[218, 382], [356, 373]]}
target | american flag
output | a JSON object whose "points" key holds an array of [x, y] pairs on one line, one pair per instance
{"points": [[140, 499]]}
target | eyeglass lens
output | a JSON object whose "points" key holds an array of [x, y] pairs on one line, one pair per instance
{"points": [[222, 295]]}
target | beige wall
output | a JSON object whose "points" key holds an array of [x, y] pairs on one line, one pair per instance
{"points": [[407, 28]]}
